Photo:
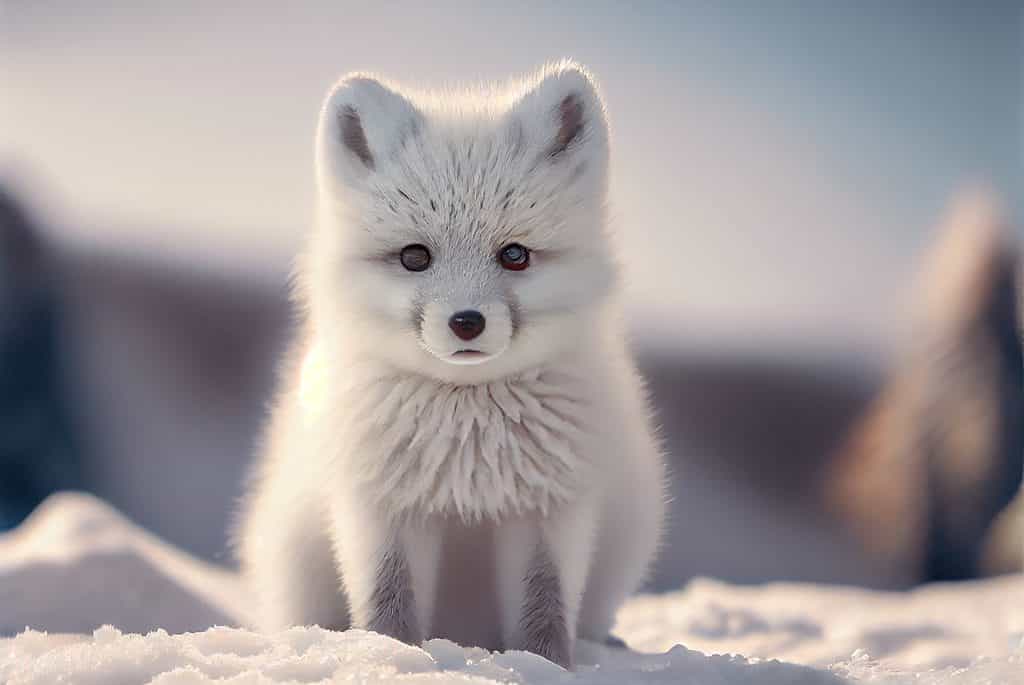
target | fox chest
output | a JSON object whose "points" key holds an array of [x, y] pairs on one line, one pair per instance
{"points": [[485, 451]]}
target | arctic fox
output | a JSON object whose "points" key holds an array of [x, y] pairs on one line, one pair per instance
{"points": [[462, 447]]}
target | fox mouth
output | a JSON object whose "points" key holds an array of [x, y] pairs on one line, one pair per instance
{"points": [[468, 356]]}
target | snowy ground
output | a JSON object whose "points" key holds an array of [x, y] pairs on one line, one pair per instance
{"points": [[77, 565]]}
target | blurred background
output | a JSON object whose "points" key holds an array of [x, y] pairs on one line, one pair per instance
{"points": [[834, 408]]}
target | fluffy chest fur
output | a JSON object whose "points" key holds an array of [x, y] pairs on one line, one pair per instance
{"points": [[418, 447]]}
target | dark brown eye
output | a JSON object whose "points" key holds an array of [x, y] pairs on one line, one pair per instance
{"points": [[415, 257], [514, 257]]}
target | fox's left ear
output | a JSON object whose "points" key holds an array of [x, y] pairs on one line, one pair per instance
{"points": [[561, 117]]}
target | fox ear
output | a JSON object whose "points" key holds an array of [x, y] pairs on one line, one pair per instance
{"points": [[561, 116], [362, 124]]}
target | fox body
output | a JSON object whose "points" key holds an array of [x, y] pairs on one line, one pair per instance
{"points": [[462, 446]]}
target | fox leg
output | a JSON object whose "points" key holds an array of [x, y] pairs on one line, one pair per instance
{"points": [[542, 568], [389, 571]]}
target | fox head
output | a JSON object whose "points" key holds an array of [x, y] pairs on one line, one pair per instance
{"points": [[461, 235]]}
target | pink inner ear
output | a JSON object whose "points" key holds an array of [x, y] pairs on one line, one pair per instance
{"points": [[353, 137], [570, 116]]}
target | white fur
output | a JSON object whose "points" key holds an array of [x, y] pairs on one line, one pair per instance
{"points": [[379, 437]]}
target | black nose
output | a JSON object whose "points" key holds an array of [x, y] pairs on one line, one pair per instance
{"points": [[468, 324]]}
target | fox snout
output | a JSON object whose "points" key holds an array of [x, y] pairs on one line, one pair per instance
{"points": [[466, 334]]}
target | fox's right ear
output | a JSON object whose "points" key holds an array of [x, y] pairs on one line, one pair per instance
{"points": [[362, 124]]}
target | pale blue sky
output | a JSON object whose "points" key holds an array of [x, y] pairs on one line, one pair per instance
{"points": [[779, 166]]}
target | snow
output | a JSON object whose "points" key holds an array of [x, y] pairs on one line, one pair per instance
{"points": [[314, 655], [77, 565]]}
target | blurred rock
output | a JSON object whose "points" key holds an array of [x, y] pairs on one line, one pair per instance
{"points": [[939, 455], [38, 443]]}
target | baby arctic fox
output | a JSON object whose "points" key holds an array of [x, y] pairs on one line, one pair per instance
{"points": [[462, 447]]}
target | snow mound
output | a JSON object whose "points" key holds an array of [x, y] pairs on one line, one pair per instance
{"points": [[934, 626], [76, 564]]}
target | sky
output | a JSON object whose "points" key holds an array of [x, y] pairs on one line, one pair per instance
{"points": [[778, 168]]}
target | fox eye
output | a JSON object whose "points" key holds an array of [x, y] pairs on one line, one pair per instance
{"points": [[415, 257], [514, 257]]}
